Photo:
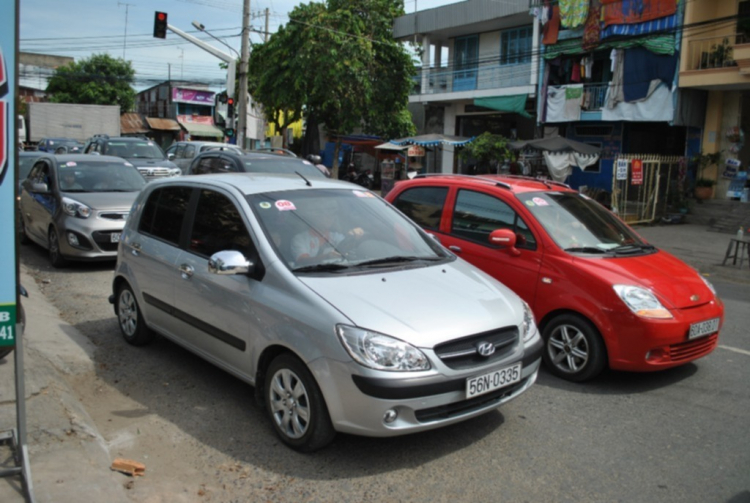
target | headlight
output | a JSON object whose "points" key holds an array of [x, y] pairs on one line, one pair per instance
{"points": [[642, 302], [381, 352], [175, 172], [75, 209], [529, 327], [708, 284]]}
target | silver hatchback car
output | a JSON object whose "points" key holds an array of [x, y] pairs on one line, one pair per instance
{"points": [[76, 205], [342, 313]]}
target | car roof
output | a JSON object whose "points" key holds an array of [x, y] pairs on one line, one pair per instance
{"points": [[514, 183], [88, 158], [257, 183]]}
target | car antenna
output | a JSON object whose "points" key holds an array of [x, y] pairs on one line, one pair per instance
{"points": [[305, 179]]}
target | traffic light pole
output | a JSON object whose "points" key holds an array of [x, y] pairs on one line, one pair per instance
{"points": [[242, 126], [227, 58]]}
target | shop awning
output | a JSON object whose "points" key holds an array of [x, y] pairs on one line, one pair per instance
{"points": [[432, 140], [132, 123], [515, 104], [391, 146], [163, 124], [208, 130]]}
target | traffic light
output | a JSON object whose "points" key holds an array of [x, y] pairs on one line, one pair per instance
{"points": [[229, 132], [230, 109], [160, 25]]}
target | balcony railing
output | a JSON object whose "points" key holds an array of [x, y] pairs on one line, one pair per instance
{"points": [[713, 52], [594, 96], [450, 79]]}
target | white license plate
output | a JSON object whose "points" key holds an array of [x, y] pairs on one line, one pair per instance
{"points": [[480, 385], [703, 328], [114, 237]]}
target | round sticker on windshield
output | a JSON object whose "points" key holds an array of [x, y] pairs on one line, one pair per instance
{"points": [[361, 193], [265, 205], [284, 205], [540, 202], [530, 203], [70, 164]]}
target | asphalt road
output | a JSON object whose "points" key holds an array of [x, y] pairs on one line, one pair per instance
{"points": [[679, 435]]}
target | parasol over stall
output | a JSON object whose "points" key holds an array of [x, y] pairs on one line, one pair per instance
{"points": [[560, 154]]}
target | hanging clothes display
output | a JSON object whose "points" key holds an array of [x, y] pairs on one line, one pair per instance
{"points": [[564, 103], [560, 164], [573, 13], [636, 11], [592, 29], [552, 28], [615, 93], [659, 107], [642, 66]]}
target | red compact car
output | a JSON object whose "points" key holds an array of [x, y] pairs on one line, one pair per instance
{"points": [[600, 293]]}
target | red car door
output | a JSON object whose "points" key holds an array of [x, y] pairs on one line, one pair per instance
{"points": [[472, 215]]}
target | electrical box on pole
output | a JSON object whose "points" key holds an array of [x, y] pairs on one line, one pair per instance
{"points": [[160, 24]]}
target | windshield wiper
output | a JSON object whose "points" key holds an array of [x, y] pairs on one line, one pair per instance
{"points": [[584, 249], [396, 259], [632, 248], [321, 268]]}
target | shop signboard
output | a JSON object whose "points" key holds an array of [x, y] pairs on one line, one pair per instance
{"points": [[192, 96], [636, 172], [8, 148], [416, 151], [622, 169]]}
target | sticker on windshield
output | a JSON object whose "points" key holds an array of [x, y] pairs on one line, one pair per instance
{"points": [[265, 205], [361, 193], [530, 203], [128, 164], [71, 164], [284, 205], [540, 202]]}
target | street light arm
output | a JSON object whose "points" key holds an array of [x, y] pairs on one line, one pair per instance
{"points": [[227, 58]]}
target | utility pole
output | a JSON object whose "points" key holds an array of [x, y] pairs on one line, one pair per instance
{"points": [[244, 57], [125, 40], [265, 33]]}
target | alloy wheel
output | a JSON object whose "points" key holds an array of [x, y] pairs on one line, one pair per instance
{"points": [[127, 310], [568, 349], [290, 404]]}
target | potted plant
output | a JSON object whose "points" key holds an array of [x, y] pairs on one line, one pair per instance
{"points": [[703, 185], [721, 54]]}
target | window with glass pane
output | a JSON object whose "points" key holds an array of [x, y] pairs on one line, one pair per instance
{"points": [[515, 46], [164, 212], [476, 215], [424, 205], [218, 226]]}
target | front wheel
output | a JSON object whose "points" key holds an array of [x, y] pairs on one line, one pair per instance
{"points": [[132, 326], [296, 406], [55, 255], [573, 348]]}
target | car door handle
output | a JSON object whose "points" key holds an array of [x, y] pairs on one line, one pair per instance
{"points": [[186, 271], [455, 248], [136, 249]]}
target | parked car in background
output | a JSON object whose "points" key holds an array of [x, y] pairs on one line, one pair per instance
{"points": [[60, 146], [75, 206], [144, 154], [343, 314], [26, 161], [251, 162], [182, 152], [274, 150], [601, 294]]}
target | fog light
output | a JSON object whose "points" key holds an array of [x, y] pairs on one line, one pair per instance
{"points": [[655, 355], [390, 416], [72, 239]]}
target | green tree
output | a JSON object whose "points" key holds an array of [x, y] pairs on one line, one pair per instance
{"points": [[487, 149], [337, 61], [98, 80]]}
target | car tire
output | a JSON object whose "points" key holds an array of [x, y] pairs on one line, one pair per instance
{"points": [[129, 317], [295, 405], [573, 348], [55, 255], [23, 238]]}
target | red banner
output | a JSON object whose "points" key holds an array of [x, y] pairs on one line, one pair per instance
{"points": [[636, 177]]}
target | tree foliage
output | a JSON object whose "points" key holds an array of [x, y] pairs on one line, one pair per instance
{"points": [[487, 149], [339, 62], [98, 80]]}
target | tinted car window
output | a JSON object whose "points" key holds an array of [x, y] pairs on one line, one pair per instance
{"points": [[476, 215], [25, 163], [280, 165], [164, 213], [134, 149], [218, 226], [189, 152], [424, 205]]}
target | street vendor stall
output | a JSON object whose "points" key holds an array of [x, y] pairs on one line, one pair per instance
{"points": [[560, 154]]}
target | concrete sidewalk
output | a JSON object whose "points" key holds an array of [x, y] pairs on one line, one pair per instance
{"points": [[69, 458]]}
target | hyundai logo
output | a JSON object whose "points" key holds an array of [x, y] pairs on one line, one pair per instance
{"points": [[485, 349]]}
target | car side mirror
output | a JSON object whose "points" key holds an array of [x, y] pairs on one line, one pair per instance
{"points": [[41, 188], [229, 262], [434, 236], [506, 238], [170, 156]]}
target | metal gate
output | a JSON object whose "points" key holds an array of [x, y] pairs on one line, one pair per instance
{"points": [[640, 186]]}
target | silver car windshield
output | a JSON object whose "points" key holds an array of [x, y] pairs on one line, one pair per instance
{"points": [[99, 176], [134, 149], [580, 224], [332, 230]]}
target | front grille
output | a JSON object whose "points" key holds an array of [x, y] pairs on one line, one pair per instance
{"points": [[690, 350], [114, 215], [103, 240], [463, 353], [455, 409], [155, 172]]}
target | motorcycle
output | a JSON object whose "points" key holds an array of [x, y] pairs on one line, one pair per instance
{"points": [[21, 320], [364, 178]]}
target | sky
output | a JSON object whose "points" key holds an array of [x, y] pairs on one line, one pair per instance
{"points": [[80, 28]]}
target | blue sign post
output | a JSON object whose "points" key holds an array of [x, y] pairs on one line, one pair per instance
{"points": [[10, 327]]}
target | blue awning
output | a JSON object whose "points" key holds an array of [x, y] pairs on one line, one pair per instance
{"points": [[433, 140]]}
